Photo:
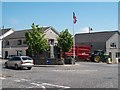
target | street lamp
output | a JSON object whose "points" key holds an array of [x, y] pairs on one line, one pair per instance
{"points": [[90, 29], [2, 40]]}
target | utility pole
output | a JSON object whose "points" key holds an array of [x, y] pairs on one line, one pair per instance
{"points": [[90, 29], [2, 40]]}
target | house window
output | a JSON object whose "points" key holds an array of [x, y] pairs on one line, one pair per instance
{"points": [[7, 43], [117, 54], [51, 41], [113, 45], [19, 42], [24, 41], [19, 53], [110, 54]]}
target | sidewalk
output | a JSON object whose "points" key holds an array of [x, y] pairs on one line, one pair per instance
{"points": [[55, 65]]}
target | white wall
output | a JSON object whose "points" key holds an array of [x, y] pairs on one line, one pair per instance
{"points": [[51, 35], [0, 48], [114, 38], [119, 42], [3, 36], [6, 34], [13, 51]]}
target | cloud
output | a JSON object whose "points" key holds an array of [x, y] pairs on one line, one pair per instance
{"points": [[13, 21], [84, 30]]}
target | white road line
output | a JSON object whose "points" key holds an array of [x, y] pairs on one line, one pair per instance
{"points": [[41, 84], [17, 80], [55, 85], [2, 78], [76, 70], [25, 80], [36, 84]]}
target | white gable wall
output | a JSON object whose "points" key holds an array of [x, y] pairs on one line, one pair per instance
{"points": [[2, 37], [0, 48], [119, 42], [113, 39], [50, 34]]}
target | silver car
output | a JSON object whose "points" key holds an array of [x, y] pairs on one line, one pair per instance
{"points": [[19, 62]]}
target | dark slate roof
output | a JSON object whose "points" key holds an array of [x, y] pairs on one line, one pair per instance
{"points": [[2, 31], [94, 37], [21, 33]]}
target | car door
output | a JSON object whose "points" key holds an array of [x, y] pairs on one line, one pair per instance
{"points": [[13, 61], [17, 61], [9, 62]]}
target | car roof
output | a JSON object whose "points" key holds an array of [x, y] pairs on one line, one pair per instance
{"points": [[24, 56], [21, 56]]}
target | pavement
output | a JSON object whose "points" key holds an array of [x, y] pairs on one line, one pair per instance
{"points": [[80, 75]]}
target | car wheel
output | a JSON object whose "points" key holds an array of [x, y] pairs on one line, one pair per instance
{"points": [[16, 66], [29, 68], [6, 65]]}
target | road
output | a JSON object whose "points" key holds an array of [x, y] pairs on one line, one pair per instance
{"points": [[81, 75]]}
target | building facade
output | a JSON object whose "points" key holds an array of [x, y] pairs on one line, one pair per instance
{"points": [[14, 43], [4, 33], [113, 46], [108, 41]]}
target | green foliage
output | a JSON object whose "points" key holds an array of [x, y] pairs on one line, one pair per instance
{"points": [[35, 40], [65, 40]]}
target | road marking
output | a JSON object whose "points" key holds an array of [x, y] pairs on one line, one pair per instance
{"points": [[25, 80], [41, 84], [76, 70], [36, 84], [17, 80], [55, 85], [2, 78], [20, 80]]}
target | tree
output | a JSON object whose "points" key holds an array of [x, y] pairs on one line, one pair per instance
{"points": [[36, 41], [65, 41]]}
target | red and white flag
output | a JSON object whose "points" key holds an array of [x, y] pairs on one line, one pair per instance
{"points": [[74, 18]]}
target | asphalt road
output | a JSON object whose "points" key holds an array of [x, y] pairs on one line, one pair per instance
{"points": [[81, 75]]}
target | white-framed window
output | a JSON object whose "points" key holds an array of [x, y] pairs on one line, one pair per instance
{"points": [[117, 54], [110, 54], [51, 41], [19, 42], [19, 52], [113, 45], [7, 43]]}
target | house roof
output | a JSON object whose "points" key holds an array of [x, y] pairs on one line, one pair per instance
{"points": [[95, 36], [2, 31], [21, 33]]}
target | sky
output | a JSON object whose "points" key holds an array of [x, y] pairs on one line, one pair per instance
{"points": [[100, 16]]}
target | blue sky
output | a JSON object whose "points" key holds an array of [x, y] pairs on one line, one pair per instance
{"points": [[97, 15]]}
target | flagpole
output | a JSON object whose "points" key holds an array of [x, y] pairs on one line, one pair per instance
{"points": [[73, 42]]}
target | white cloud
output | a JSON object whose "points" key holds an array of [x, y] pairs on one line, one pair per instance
{"points": [[13, 21], [83, 30]]}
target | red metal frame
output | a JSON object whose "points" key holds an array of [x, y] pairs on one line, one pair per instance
{"points": [[82, 52]]}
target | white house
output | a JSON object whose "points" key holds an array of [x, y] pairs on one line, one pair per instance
{"points": [[14, 43], [108, 41], [4, 33], [113, 46]]}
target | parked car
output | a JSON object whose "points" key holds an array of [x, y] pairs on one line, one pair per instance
{"points": [[19, 62], [10, 56]]}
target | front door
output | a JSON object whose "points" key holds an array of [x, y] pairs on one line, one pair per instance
{"points": [[6, 54]]}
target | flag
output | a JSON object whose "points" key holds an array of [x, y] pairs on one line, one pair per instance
{"points": [[74, 18]]}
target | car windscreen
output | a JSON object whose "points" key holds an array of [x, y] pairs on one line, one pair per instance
{"points": [[26, 58]]}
